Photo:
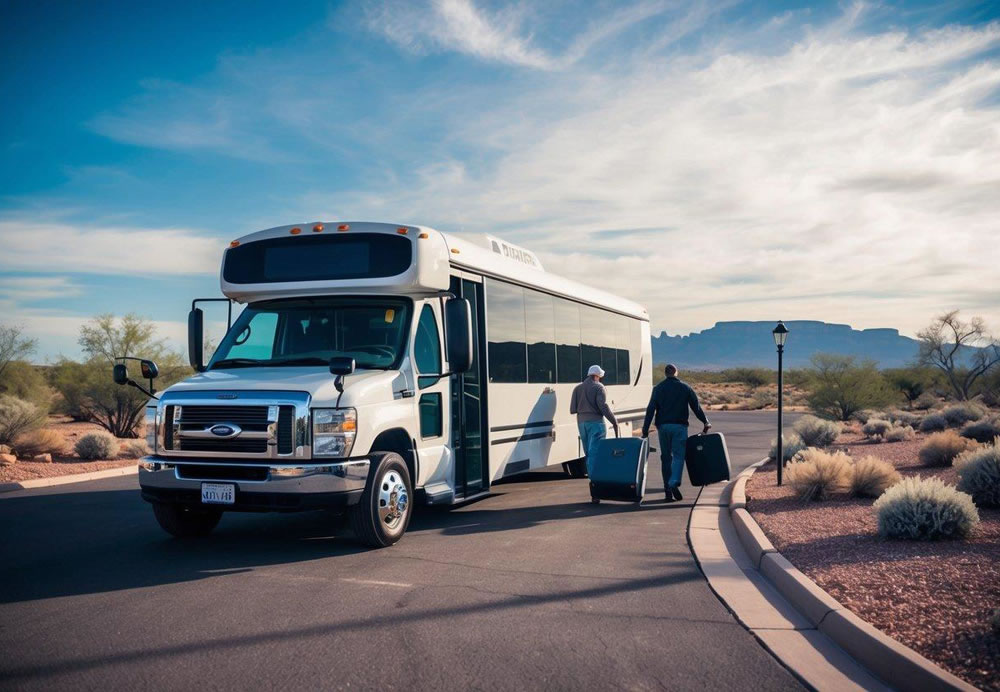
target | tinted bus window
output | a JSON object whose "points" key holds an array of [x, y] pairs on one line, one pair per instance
{"points": [[567, 323], [427, 347], [591, 335], [635, 347], [541, 336], [318, 258], [621, 349], [507, 356]]}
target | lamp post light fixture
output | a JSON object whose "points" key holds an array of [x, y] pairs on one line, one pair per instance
{"points": [[780, 333]]}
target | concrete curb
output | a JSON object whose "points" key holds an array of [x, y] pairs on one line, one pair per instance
{"points": [[72, 478], [895, 664]]}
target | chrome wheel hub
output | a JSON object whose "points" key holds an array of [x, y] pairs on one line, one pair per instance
{"points": [[393, 500]]}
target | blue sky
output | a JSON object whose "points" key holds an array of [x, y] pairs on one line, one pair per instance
{"points": [[712, 160]]}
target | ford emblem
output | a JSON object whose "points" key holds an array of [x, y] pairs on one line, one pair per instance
{"points": [[224, 430], [226, 395]]}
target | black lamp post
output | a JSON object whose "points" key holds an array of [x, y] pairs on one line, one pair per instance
{"points": [[780, 333]]}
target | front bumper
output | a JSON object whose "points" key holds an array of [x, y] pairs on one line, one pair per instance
{"points": [[278, 488]]}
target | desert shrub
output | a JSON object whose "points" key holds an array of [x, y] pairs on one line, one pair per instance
{"points": [[934, 422], [979, 474], [925, 402], [762, 398], [902, 418], [840, 386], [98, 445], [751, 377], [869, 477], [985, 430], [925, 509], [17, 418], [900, 433], [876, 428], [816, 474], [959, 414], [941, 448], [790, 446], [866, 414], [42, 441], [133, 449], [816, 432]]}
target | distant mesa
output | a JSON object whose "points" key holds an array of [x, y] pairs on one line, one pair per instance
{"points": [[736, 344]]}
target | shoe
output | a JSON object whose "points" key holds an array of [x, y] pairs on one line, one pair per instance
{"points": [[669, 496], [677, 494]]}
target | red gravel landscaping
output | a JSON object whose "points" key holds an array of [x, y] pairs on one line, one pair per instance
{"points": [[936, 597]]}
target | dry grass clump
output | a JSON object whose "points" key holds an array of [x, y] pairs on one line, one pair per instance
{"points": [[816, 432], [925, 509], [43, 441], [876, 428], [17, 418], [960, 414], [933, 422], [984, 430], [900, 434], [979, 474], [905, 418], [866, 414], [97, 445], [816, 474], [133, 449], [790, 446], [870, 476], [925, 402], [941, 448]]}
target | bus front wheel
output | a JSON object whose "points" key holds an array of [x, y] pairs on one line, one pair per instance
{"points": [[382, 514]]}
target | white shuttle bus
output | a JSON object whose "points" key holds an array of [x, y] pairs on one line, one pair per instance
{"points": [[375, 365]]}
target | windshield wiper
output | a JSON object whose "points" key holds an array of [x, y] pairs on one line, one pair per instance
{"points": [[305, 360], [235, 363]]}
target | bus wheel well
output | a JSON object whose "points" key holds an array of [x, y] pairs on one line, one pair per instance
{"points": [[399, 441]]}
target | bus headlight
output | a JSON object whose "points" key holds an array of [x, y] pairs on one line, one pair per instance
{"points": [[151, 429], [333, 431]]}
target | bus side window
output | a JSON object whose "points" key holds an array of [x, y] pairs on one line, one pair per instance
{"points": [[427, 348], [507, 355], [540, 336], [567, 321]]}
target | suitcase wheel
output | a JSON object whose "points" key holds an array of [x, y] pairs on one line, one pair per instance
{"points": [[595, 500]]}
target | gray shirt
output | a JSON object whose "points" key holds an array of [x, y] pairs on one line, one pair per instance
{"points": [[590, 402]]}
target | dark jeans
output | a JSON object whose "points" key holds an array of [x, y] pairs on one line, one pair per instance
{"points": [[673, 445]]}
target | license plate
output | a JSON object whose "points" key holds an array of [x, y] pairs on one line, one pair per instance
{"points": [[218, 493]]}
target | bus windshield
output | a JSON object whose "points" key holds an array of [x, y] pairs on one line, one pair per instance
{"points": [[310, 331]]}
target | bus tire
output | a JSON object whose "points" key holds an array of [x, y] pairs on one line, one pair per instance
{"points": [[576, 468], [184, 521], [383, 513]]}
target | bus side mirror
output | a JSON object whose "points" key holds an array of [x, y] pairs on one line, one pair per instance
{"points": [[148, 369], [342, 365], [458, 334], [196, 332], [120, 374]]}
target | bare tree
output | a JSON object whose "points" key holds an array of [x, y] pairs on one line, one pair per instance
{"points": [[963, 351], [14, 345]]}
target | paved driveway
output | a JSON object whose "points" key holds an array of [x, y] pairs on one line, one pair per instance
{"points": [[532, 587]]}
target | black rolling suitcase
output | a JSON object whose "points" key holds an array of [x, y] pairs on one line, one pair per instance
{"points": [[707, 459], [618, 469]]}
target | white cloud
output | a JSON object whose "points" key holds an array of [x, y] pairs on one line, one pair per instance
{"points": [[62, 247], [848, 177]]}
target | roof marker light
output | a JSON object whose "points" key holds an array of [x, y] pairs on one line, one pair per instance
{"points": [[295, 231], [402, 231], [343, 227], [455, 250], [423, 235], [235, 243], [318, 228]]}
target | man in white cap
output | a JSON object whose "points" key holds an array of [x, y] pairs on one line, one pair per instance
{"points": [[590, 404]]}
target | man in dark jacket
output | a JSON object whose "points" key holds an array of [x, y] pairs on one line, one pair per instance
{"points": [[669, 406]]}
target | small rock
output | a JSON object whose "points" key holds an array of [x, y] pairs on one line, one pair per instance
{"points": [[8, 459], [4, 449], [46, 458]]}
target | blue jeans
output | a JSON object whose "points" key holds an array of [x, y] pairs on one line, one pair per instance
{"points": [[590, 433], [673, 444]]}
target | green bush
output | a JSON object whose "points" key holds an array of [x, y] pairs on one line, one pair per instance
{"points": [[925, 402], [979, 474], [751, 377], [941, 448], [985, 430], [933, 422], [900, 434], [869, 477], [840, 386], [816, 432], [876, 428], [17, 418], [26, 381], [790, 446], [959, 414], [925, 509], [98, 445], [816, 474]]}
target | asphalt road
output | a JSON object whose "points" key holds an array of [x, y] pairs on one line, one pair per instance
{"points": [[530, 588]]}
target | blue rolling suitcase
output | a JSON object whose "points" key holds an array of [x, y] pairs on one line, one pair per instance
{"points": [[618, 469], [707, 459]]}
